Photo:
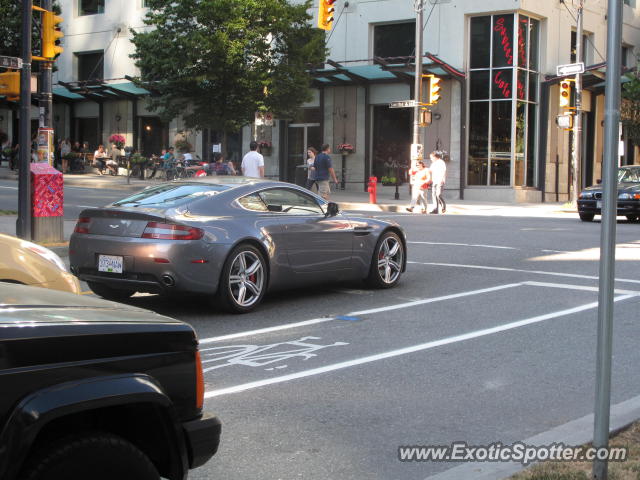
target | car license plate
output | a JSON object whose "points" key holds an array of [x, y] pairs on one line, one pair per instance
{"points": [[599, 204], [110, 263]]}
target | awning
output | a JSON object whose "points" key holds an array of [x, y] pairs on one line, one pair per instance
{"points": [[383, 70], [98, 91]]}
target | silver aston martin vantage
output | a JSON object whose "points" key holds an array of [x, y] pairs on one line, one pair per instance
{"points": [[232, 239]]}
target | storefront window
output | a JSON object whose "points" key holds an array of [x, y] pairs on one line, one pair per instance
{"points": [[503, 96]]}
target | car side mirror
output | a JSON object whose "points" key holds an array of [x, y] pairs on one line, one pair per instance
{"points": [[332, 209], [599, 181], [274, 208]]}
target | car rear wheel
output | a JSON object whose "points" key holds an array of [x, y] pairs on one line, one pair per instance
{"points": [[243, 281], [586, 217], [387, 261], [633, 218], [98, 456], [109, 293]]}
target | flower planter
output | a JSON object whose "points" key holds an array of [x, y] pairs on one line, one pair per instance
{"points": [[266, 151]]}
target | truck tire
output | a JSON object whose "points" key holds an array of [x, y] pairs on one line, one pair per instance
{"points": [[93, 455], [108, 293]]}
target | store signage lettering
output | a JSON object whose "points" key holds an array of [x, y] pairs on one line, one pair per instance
{"points": [[522, 48], [503, 85], [506, 43]]}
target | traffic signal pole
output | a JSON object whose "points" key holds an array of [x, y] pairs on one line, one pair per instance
{"points": [[23, 224], [576, 157], [417, 89], [46, 97]]}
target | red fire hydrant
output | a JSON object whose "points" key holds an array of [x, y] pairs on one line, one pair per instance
{"points": [[373, 189]]}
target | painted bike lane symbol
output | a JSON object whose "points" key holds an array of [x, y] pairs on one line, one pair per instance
{"points": [[261, 355]]}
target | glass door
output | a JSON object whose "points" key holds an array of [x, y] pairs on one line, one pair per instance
{"points": [[300, 137]]}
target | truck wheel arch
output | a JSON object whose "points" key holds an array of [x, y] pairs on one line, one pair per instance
{"points": [[38, 416]]}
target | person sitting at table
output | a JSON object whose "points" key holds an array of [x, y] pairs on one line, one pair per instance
{"points": [[99, 158]]}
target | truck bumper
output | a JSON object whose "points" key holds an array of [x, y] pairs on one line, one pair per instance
{"points": [[203, 438]]}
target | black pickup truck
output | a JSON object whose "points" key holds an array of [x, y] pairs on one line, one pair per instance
{"points": [[96, 390]]}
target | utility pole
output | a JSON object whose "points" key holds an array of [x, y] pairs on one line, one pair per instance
{"points": [[23, 224], [608, 237], [417, 90], [576, 157]]}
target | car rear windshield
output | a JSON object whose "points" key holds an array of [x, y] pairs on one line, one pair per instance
{"points": [[171, 195], [629, 175]]}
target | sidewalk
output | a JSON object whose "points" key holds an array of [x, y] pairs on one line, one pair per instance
{"points": [[352, 199]]}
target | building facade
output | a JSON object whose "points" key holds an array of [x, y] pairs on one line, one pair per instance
{"points": [[496, 119]]}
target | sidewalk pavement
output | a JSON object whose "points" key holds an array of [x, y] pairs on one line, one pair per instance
{"points": [[351, 199]]}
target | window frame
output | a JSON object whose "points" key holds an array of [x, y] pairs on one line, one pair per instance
{"points": [[321, 206], [79, 55], [373, 27], [528, 72], [104, 7]]}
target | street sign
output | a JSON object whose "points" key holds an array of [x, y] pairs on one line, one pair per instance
{"points": [[10, 62], [570, 69], [404, 104]]}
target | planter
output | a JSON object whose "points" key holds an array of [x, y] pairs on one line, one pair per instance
{"points": [[266, 151]]}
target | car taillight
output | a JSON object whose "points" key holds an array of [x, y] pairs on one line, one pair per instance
{"points": [[83, 225], [199, 382], [168, 231]]}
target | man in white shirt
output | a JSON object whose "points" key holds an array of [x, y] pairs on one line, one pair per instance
{"points": [[253, 162], [438, 175]]}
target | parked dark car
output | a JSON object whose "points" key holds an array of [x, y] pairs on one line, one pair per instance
{"points": [[590, 199], [231, 238], [97, 390]]}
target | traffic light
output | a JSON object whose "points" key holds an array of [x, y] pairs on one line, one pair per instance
{"points": [[434, 90], [10, 85], [564, 101], [51, 35], [326, 9]]}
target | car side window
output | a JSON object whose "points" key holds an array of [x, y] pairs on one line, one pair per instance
{"points": [[290, 201], [253, 202]]}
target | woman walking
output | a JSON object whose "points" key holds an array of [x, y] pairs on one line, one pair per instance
{"points": [[311, 175], [420, 182]]}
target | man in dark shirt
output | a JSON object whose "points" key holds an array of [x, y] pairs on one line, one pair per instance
{"points": [[324, 171]]}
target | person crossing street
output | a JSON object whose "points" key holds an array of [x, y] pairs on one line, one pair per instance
{"points": [[420, 181]]}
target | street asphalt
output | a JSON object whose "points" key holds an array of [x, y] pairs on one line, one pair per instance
{"points": [[490, 337]]}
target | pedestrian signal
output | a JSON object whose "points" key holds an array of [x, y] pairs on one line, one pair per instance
{"points": [[10, 85]]}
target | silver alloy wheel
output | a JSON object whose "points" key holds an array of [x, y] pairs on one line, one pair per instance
{"points": [[390, 257], [246, 278]]}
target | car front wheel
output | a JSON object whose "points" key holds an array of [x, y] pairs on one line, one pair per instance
{"points": [[243, 281], [633, 218], [387, 262], [586, 217], [95, 456]]}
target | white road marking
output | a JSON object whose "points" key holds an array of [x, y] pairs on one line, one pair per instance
{"points": [[403, 351], [465, 245], [314, 321], [579, 287], [506, 269], [261, 355], [10, 188]]}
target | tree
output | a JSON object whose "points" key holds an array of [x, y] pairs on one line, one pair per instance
{"points": [[217, 62]]}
